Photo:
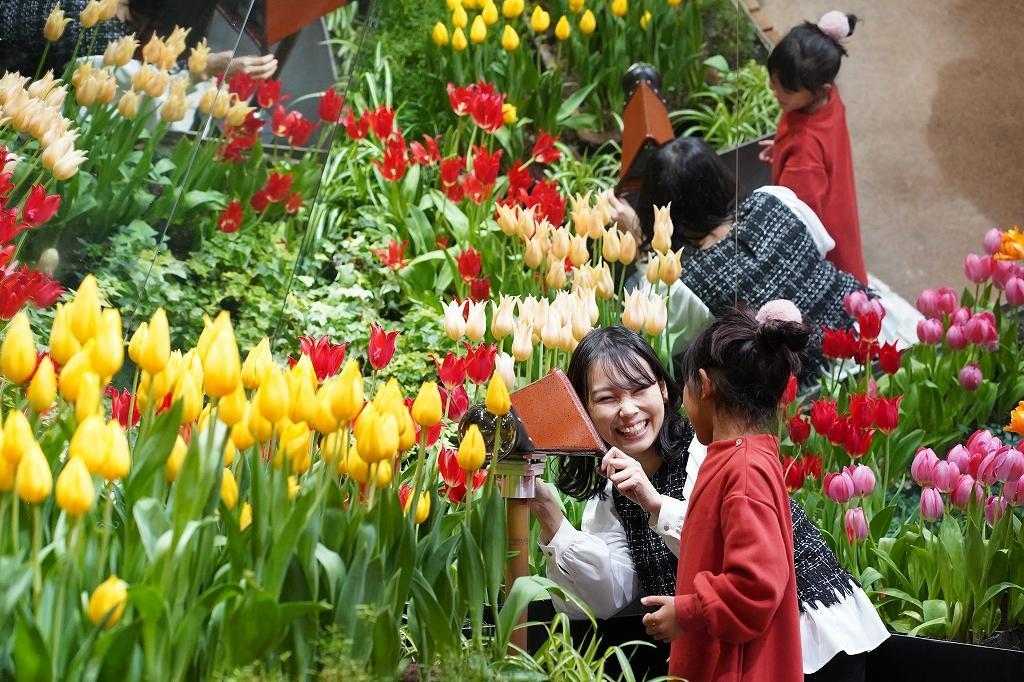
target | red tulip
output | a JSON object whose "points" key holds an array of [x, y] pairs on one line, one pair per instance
{"points": [[890, 358], [39, 207], [856, 525], [799, 429], [858, 441], [294, 202], [469, 263], [456, 403], [823, 416], [480, 362], [394, 256], [451, 168], [794, 472], [393, 164], [838, 344], [869, 320], [812, 466], [426, 154], [382, 346], [326, 357], [120, 403], [789, 395], [382, 121], [230, 218], [840, 430], [330, 106], [448, 466], [451, 370], [278, 186], [886, 414], [19, 286], [485, 165], [480, 289], [355, 127], [932, 508], [544, 149], [861, 410], [243, 85]]}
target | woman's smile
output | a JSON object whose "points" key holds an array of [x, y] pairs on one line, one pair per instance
{"points": [[635, 431]]}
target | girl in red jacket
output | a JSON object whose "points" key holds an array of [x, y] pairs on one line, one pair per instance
{"points": [[811, 150], [735, 616]]}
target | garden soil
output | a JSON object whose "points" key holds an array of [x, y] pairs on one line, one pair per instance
{"points": [[933, 91]]}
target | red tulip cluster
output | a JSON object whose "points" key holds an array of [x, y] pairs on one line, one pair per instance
{"points": [[476, 184], [798, 470], [325, 356], [291, 125], [853, 430], [454, 476], [394, 255], [481, 102]]}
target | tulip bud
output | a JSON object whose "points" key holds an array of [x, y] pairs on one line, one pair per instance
{"points": [[662, 241], [656, 315], [74, 491], [993, 241], [460, 19], [977, 268], [856, 525], [497, 401], [966, 487], [504, 364], [627, 248], [55, 24], [63, 344], [476, 324], [645, 20], [923, 466], [18, 350], [90, 16], [671, 267], [509, 38], [272, 397], [929, 331], [107, 602], [222, 371], [653, 268], [472, 451], [838, 487], [863, 480], [128, 105], [611, 247], [578, 252], [478, 31], [459, 42], [118, 462], [347, 393], [534, 253], [176, 458], [33, 479], [426, 409], [1014, 291], [562, 29], [228, 489], [107, 354], [17, 436], [439, 35], [87, 398], [454, 322], [422, 508], [539, 20], [85, 310], [522, 341], [245, 517], [620, 7], [156, 346], [555, 277], [587, 23], [502, 320], [931, 504], [956, 337], [42, 390], [970, 377], [945, 476], [231, 408], [633, 311]]}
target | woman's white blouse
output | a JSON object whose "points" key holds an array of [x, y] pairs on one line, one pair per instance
{"points": [[594, 564]]}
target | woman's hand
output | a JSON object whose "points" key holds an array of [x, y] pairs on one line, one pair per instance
{"points": [[621, 212], [767, 150], [545, 507], [662, 625], [629, 478], [257, 66]]}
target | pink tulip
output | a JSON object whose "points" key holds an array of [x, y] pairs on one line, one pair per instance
{"points": [[995, 507], [863, 480], [945, 476], [923, 466], [1014, 291], [970, 377], [1013, 491], [931, 504], [993, 240], [853, 301], [985, 472], [966, 486], [929, 331], [856, 525], [947, 300], [928, 303], [961, 316], [956, 337], [1009, 464], [1003, 271], [979, 330], [959, 456], [977, 268], [982, 440], [838, 487]]}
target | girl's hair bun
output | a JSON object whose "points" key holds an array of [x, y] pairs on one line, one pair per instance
{"points": [[837, 25], [781, 324]]}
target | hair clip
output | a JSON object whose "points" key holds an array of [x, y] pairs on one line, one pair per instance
{"points": [[779, 310]]}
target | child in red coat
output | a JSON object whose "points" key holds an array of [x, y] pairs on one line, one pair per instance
{"points": [[735, 614], [811, 150]]}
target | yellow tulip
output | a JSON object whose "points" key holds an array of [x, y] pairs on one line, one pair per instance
{"points": [[323, 419], [509, 41], [671, 268], [237, 113], [295, 441], [87, 402], [240, 434], [576, 6], [231, 408], [645, 20], [18, 350], [490, 13], [75, 492], [347, 393], [510, 9], [406, 431], [63, 343], [509, 114], [42, 390], [245, 517], [459, 42], [540, 20], [85, 310], [293, 487], [422, 508], [562, 29], [261, 428], [90, 16], [198, 57], [426, 409], [382, 474], [620, 7], [107, 355], [222, 370], [657, 315], [272, 399], [136, 342], [578, 252], [497, 401], [33, 479], [522, 341], [459, 17], [91, 442], [55, 24], [653, 266], [376, 435], [634, 312], [191, 399], [230, 452], [17, 436], [674, 3], [228, 489], [156, 348], [302, 402], [439, 35], [118, 461], [7, 475], [108, 601], [472, 451], [176, 458], [556, 278], [356, 467], [478, 32], [255, 362]]}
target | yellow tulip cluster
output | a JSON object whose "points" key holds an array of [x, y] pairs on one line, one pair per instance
{"points": [[663, 265], [480, 26], [645, 311], [36, 110]]}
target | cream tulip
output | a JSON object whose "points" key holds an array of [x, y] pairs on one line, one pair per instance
{"points": [[671, 267], [454, 322], [633, 312], [522, 341], [476, 322], [627, 248], [653, 266], [662, 240], [504, 365], [611, 247], [503, 317], [657, 315]]}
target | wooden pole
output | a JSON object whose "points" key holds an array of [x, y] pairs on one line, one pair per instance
{"points": [[518, 513]]}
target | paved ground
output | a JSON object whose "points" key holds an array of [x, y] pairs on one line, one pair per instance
{"points": [[934, 91]]}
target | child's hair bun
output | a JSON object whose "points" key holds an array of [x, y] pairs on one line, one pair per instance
{"points": [[837, 25], [781, 324]]}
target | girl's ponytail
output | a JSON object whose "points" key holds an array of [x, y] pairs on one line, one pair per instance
{"points": [[809, 55]]}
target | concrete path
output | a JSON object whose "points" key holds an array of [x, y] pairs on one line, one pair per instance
{"points": [[934, 91]]}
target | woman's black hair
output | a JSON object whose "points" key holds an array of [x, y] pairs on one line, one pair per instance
{"points": [[748, 362], [631, 364], [688, 173], [806, 58]]}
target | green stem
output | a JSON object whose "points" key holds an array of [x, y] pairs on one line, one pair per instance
{"points": [[37, 573], [108, 510], [42, 60], [14, 526]]}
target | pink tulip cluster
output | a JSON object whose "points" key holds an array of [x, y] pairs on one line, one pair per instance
{"points": [[853, 481], [969, 472], [964, 326]]}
